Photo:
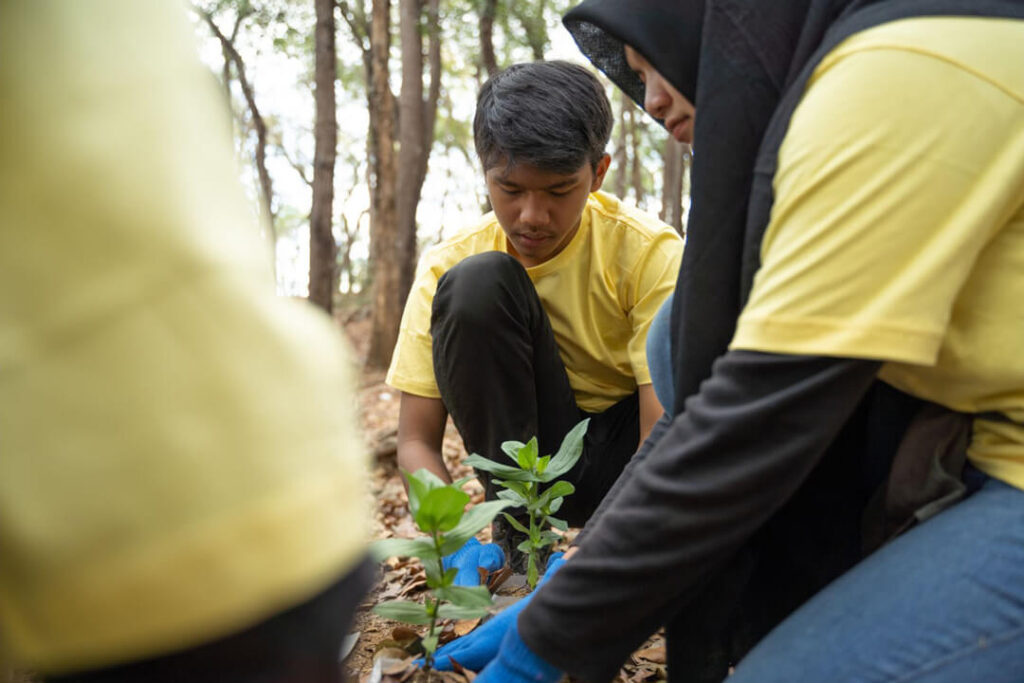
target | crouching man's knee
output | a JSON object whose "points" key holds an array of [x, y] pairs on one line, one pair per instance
{"points": [[481, 290]]}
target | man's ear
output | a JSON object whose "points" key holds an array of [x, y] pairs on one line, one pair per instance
{"points": [[599, 172]]}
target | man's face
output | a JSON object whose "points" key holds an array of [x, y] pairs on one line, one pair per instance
{"points": [[540, 210]]}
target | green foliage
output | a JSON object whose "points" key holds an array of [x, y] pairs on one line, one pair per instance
{"points": [[522, 486], [438, 510]]}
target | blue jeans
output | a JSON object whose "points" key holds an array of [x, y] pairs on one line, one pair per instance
{"points": [[659, 355], [942, 604]]}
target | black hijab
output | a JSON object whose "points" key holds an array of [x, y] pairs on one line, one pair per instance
{"points": [[744, 70]]}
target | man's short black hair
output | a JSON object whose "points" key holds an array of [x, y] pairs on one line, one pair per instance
{"points": [[552, 115]]}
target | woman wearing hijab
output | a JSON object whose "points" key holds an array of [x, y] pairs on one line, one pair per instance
{"points": [[848, 311]]}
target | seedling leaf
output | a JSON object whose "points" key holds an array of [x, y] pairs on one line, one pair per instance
{"points": [[568, 453], [503, 471], [516, 524], [531, 571], [472, 521], [527, 455], [511, 449], [401, 610], [441, 509], [512, 497], [465, 596], [559, 489], [421, 547], [457, 612], [559, 524]]}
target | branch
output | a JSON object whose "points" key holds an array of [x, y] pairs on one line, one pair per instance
{"points": [[356, 25]]}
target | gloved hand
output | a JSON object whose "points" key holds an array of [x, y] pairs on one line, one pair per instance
{"points": [[470, 556], [517, 662], [475, 650]]}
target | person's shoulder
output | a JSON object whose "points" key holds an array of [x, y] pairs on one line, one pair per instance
{"points": [[483, 235], [614, 218], [990, 48]]}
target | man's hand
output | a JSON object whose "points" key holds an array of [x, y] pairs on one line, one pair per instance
{"points": [[475, 650], [471, 558]]}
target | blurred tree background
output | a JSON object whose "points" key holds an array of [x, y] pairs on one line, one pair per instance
{"points": [[352, 120]]}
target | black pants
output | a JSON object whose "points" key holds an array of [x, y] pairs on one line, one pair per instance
{"points": [[501, 378], [299, 645]]}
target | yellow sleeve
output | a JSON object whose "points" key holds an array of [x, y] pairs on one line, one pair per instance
{"points": [[654, 279], [412, 364], [888, 188], [178, 451]]}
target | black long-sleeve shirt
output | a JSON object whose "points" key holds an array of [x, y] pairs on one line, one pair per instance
{"points": [[703, 483]]}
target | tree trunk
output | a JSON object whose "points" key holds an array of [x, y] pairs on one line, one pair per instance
{"points": [[411, 148], [322, 249], [384, 239], [488, 11], [621, 147], [673, 155], [636, 171]]}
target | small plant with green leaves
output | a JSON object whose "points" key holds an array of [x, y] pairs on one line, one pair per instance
{"points": [[522, 486], [439, 511]]}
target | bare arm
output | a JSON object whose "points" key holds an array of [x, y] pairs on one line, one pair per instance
{"points": [[650, 410], [421, 423]]}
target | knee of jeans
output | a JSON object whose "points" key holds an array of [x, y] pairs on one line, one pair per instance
{"points": [[473, 289]]}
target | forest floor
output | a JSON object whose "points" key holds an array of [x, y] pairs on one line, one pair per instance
{"points": [[375, 638]]}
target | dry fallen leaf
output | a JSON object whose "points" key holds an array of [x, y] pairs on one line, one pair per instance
{"points": [[655, 655], [464, 626]]}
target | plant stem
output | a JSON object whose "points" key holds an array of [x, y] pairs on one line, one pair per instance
{"points": [[428, 659], [533, 530]]}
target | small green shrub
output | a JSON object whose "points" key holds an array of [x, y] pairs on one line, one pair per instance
{"points": [[522, 485], [439, 511]]}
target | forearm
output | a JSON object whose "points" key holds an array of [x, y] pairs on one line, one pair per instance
{"points": [[421, 423], [414, 455], [721, 469]]}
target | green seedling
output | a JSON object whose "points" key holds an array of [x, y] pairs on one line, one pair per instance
{"points": [[439, 511], [523, 483]]}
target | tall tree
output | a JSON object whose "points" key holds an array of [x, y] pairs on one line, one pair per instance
{"points": [[396, 177], [322, 248], [384, 238], [674, 155]]}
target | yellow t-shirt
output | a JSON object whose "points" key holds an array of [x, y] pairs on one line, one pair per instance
{"points": [[178, 454], [600, 293], [898, 227]]}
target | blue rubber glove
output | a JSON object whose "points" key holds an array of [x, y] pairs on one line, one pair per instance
{"points": [[475, 650], [471, 555], [516, 662]]}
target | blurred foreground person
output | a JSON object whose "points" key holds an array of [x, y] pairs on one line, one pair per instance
{"points": [[181, 480]]}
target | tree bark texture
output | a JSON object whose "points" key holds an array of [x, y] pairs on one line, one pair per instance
{"points": [[488, 12], [384, 238], [621, 146], [322, 248], [636, 170], [394, 259], [673, 156]]}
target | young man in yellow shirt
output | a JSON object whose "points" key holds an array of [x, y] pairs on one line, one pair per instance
{"points": [[537, 317]]}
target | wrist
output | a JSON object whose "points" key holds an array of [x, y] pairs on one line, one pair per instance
{"points": [[517, 657]]}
